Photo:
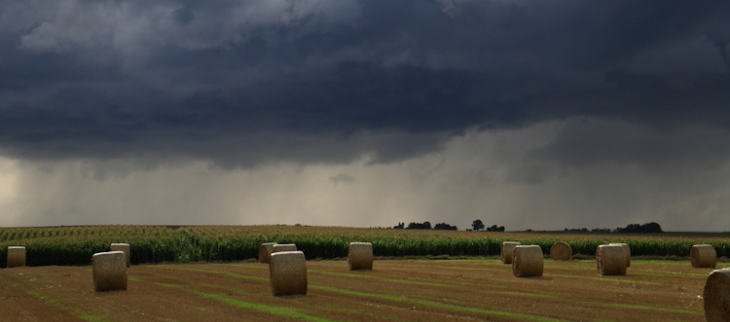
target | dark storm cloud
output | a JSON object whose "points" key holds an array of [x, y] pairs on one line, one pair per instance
{"points": [[662, 151], [255, 82]]}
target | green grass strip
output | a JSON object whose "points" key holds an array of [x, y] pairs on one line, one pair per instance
{"points": [[341, 274], [396, 280], [276, 310], [248, 265], [654, 262], [233, 289], [231, 274], [77, 312], [434, 304], [608, 279], [650, 308], [670, 274], [491, 260]]}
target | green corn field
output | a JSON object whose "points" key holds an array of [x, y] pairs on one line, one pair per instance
{"points": [[156, 244]]}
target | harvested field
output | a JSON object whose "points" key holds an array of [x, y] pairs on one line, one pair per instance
{"points": [[397, 290]]}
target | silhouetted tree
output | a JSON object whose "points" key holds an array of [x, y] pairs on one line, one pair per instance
{"points": [[445, 226], [424, 225], [495, 228], [651, 227], [602, 230], [477, 225]]}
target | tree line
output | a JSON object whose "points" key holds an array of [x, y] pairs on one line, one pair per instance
{"points": [[478, 225], [425, 225]]}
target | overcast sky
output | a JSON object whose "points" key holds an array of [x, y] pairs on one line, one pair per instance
{"points": [[523, 113]]}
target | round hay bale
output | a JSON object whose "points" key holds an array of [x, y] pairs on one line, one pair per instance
{"points": [[611, 260], [288, 273], [110, 271], [507, 251], [360, 256], [16, 256], [121, 247], [265, 251], [703, 256], [527, 261], [284, 248], [561, 251], [627, 251], [717, 296]]}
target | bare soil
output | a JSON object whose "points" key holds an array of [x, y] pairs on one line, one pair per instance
{"points": [[395, 290]]}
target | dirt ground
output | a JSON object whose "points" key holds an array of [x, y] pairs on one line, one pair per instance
{"points": [[395, 290]]}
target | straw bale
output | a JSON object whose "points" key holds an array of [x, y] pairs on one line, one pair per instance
{"points": [[717, 296], [288, 273], [122, 247], [527, 261], [627, 251], [703, 256], [360, 256], [110, 271], [561, 251], [611, 260], [16, 256], [506, 251], [284, 248], [265, 251]]}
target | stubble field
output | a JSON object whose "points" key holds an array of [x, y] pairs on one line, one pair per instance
{"points": [[395, 290], [209, 273]]}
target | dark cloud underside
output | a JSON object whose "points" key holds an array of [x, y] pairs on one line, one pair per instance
{"points": [[249, 83]]}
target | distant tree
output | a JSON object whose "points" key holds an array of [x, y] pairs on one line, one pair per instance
{"points": [[584, 229], [651, 227], [415, 225], [445, 226], [495, 228], [477, 225]]}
